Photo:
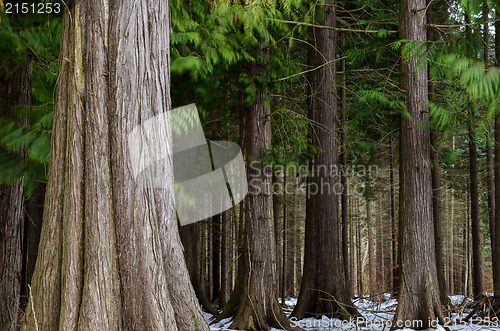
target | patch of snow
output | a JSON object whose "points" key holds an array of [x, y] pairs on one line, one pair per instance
{"points": [[377, 314]]}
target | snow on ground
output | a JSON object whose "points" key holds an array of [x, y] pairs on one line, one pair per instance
{"points": [[377, 315]]}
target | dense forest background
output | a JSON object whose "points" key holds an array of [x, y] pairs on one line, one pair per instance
{"points": [[380, 121]]}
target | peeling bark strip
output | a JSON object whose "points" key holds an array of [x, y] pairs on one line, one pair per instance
{"points": [[13, 92], [419, 298], [110, 255]]}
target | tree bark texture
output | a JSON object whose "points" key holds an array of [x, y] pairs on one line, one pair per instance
{"points": [[419, 297], [496, 271], [254, 303], [372, 273], [323, 289], [110, 256], [15, 90]]}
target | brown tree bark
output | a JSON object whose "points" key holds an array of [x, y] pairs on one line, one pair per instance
{"points": [[226, 258], [343, 169], [436, 213], [419, 297], [394, 229], [359, 256], [436, 186], [254, 303], [216, 248], [15, 90], [291, 247], [496, 271], [372, 273], [110, 256], [490, 180], [380, 249], [323, 289], [477, 264], [277, 233]]}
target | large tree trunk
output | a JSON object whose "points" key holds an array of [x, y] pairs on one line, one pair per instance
{"points": [[323, 289], [110, 256], [419, 297], [15, 89], [254, 302]]}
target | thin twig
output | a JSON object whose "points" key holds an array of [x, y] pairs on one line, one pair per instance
{"points": [[33, 308]]}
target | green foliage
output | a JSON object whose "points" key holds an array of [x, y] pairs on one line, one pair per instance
{"points": [[25, 143]]}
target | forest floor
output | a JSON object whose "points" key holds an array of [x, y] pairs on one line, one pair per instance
{"points": [[377, 315]]}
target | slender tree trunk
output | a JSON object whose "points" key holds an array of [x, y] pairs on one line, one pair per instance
{"points": [[380, 248], [352, 250], [285, 261], [477, 265], [216, 248], [436, 186], [226, 257], [496, 271], [394, 230], [436, 210], [276, 218], [372, 273], [298, 241], [490, 180], [359, 256], [343, 168], [291, 247], [15, 90], [419, 297], [324, 275], [110, 256]]}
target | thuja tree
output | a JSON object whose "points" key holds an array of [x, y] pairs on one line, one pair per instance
{"points": [[110, 257], [323, 288], [419, 297]]}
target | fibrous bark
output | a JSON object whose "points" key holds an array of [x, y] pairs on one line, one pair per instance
{"points": [[110, 256], [254, 303], [323, 289], [419, 297]]}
